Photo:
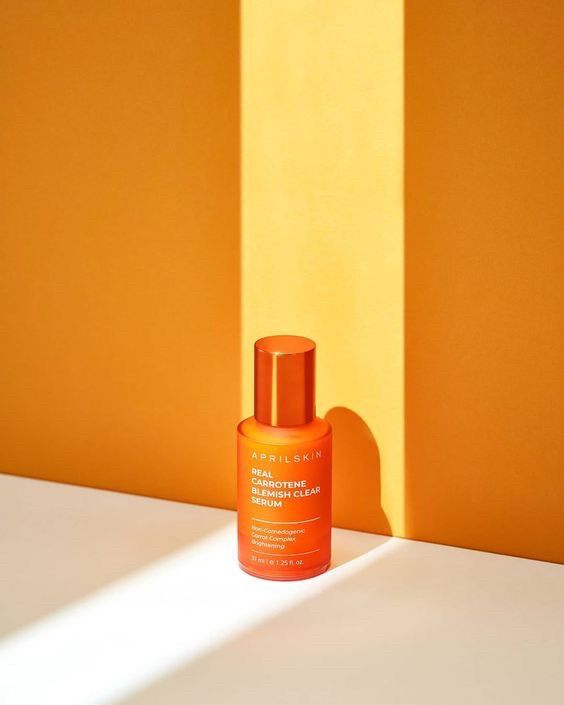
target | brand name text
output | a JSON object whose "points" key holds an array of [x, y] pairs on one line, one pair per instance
{"points": [[295, 458]]}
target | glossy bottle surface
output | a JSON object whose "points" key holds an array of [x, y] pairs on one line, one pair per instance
{"points": [[284, 499]]}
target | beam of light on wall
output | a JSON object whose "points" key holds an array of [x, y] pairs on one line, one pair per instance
{"points": [[141, 628], [322, 208]]}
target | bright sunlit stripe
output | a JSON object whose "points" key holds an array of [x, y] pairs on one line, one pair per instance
{"points": [[137, 630]]}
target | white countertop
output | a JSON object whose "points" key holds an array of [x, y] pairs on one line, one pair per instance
{"points": [[112, 598]]}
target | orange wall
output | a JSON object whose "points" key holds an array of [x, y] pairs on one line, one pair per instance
{"points": [[122, 322], [119, 237], [484, 263]]}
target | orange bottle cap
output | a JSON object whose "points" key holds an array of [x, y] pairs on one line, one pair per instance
{"points": [[284, 380]]}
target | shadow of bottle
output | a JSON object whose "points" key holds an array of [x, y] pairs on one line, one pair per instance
{"points": [[356, 474]]}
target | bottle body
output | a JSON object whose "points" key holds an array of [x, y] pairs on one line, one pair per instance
{"points": [[284, 499]]}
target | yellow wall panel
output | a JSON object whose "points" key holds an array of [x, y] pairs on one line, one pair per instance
{"points": [[322, 241]]}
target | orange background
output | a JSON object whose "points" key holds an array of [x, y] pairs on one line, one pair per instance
{"points": [[119, 267], [484, 264], [420, 233]]}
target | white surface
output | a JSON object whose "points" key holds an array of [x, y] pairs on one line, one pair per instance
{"points": [[110, 598]]}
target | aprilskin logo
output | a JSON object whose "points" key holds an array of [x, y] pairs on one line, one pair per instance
{"points": [[296, 458]]}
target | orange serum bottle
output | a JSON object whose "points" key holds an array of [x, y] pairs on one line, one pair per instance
{"points": [[284, 467]]}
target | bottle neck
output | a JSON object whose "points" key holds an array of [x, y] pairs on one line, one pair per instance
{"points": [[272, 421]]}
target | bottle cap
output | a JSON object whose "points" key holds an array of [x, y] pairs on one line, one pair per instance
{"points": [[284, 380]]}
